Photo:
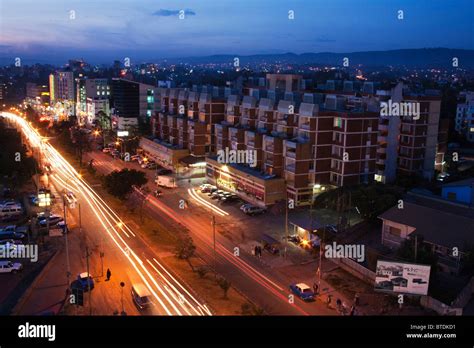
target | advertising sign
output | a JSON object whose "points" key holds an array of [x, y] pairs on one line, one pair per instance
{"points": [[402, 277]]}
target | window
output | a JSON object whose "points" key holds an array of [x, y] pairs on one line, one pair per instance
{"points": [[338, 122], [395, 231]]}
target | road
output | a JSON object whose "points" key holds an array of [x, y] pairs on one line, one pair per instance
{"points": [[103, 230], [266, 287]]}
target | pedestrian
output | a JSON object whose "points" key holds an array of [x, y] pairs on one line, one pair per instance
{"points": [[255, 250], [352, 312], [328, 300], [315, 288], [338, 304], [356, 299], [109, 274]]}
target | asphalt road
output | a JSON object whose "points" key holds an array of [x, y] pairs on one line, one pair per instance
{"points": [[266, 287]]}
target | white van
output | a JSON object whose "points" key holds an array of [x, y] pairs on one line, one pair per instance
{"points": [[141, 296]]}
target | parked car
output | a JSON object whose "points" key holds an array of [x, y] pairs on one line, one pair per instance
{"points": [[53, 220], [151, 165], [85, 280], [254, 210], [303, 291], [106, 150], [10, 267], [135, 157], [244, 206], [10, 228], [9, 203], [164, 171], [12, 235], [215, 195]]}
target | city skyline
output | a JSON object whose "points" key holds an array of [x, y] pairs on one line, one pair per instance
{"points": [[149, 30]]}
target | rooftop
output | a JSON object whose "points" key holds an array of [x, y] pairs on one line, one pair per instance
{"points": [[435, 225]]}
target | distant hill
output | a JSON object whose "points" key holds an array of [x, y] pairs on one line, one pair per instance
{"points": [[419, 58]]}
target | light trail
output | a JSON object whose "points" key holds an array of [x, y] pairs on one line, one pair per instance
{"points": [[166, 292], [201, 201]]}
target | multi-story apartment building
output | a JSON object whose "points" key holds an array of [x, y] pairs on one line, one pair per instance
{"points": [[411, 144], [465, 115], [134, 101], [304, 142]]}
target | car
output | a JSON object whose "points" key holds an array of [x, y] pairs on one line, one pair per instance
{"points": [[141, 296], [229, 198], [215, 195], [10, 267], [212, 190], [85, 281], [12, 235], [53, 220], [144, 165], [151, 165], [5, 204], [244, 206], [106, 150], [164, 171], [10, 228], [205, 189], [303, 291], [254, 210], [135, 157]]}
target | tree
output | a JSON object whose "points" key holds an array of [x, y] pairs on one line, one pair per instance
{"points": [[251, 309], [202, 271], [424, 254], [120, 183], [185, 250], [224, 285]]}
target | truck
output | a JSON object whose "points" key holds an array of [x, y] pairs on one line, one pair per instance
{"points": [[165, 181]]}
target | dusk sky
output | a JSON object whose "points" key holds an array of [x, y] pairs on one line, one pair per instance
{"points": [[144, 30]]}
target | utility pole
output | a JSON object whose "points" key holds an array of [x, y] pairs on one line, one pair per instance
{"points": [[416, 247], [286, 222], [321, 260], [214, 239], [89, 280], [66, 239]]}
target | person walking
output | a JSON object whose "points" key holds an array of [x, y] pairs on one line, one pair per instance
{"points": [[356, 300], [315, 288], [328, 301], [109, 274]]}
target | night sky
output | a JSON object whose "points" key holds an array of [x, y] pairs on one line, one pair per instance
{"points": [[103, 30]]}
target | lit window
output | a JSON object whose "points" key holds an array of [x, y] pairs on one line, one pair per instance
{"points": [[338, 122]]}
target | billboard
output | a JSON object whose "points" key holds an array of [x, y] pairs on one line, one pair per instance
{"points": [[400, 277]]}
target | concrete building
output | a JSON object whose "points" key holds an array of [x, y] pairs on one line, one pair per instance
{"points": [[464, 123]]}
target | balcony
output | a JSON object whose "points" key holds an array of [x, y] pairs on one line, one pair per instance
{"points": [[383, 127]]}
